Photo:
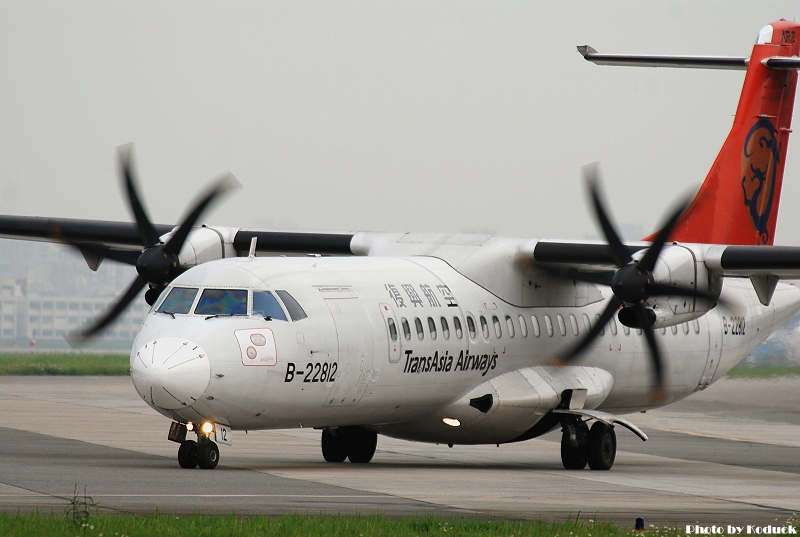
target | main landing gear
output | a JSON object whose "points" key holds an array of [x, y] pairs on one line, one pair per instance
{"points": [[203, 453], [352, 443], [580, 445]]}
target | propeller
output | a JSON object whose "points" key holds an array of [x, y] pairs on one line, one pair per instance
{"points": [[158, 264], [632, 283]]}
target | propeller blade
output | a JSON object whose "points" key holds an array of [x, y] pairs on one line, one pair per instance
{"points": [[146, 229], [591, 174], [133, 291], [655, 351], [611, 308], [648, 262], [220, 187]]}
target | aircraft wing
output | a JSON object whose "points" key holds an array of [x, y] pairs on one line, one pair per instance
{"points": [[122, 237], [732, 261]]}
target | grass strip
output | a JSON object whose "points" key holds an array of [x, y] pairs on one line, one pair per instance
{"points": [[64, 364], [764, 371], [291, 525]]}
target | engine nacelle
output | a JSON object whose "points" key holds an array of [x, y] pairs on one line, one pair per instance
{"points": [[206, 244], [678, 266]]}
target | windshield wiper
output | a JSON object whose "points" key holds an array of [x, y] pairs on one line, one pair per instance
{"points": [[219, 315], [167, 313]]}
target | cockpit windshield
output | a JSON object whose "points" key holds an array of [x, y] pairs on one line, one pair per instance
{"points": [[179, 300], [222, 302], [269, 305], [266, 305]]}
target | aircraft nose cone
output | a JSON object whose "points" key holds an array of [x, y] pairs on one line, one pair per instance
{"points": [[170, 372]]}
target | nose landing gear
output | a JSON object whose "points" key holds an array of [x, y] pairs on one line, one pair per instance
{"points": [[203, 453]]}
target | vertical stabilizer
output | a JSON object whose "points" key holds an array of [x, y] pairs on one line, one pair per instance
{"points": [[738, 201]]}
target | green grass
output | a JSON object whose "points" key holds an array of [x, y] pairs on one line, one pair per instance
{"points": [[64, 364], [302, 525], [764, 371]]}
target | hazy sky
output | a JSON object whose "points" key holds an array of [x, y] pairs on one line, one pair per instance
{"points": [[442, 116]]}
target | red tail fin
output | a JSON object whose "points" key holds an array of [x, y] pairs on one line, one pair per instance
{"points": [[738, 202]]}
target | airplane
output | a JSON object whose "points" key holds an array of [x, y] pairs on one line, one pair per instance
{"points": [[458, 339]]}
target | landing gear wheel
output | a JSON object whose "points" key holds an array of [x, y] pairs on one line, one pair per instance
{"points": [[602, 446], [187, 454], [573, 445], [334, 448], [362, 444], [207, 455]]}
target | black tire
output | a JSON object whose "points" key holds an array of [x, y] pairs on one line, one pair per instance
{"points": [[361, 445], [602, 446], [574, 457], [187, 454], [334, 448], [207, 455]]}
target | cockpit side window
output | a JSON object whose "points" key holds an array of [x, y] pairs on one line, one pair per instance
{"points": [[179, 300], [296, 311], [266, 305], [222, 302]]}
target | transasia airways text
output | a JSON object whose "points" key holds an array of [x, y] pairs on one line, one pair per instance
{"points": [[443, 363]]}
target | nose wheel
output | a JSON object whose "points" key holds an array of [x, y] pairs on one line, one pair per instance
{"points": [[203, 453]]}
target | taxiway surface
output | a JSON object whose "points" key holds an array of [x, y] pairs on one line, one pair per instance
{"points": [[730, 454]]}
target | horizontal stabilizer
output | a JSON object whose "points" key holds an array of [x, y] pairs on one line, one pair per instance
{"points": [[640, 60]]}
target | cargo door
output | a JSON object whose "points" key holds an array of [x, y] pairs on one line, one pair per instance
{"points": [[354, 335]]}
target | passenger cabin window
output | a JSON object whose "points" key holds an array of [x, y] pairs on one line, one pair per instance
{"points": [[484, 327], [535, 322], [573, 322], [675, 329], [523, 326], [586, 324], [179, 300], [696, 325], [626, 330], [602, 328], [510, 326], [418, 325], [471, 327], [458, 328], [222, 302], [432, 327], [498, 333], [296, 311], [445, 328], [562, 328], [685, 328], [613, 323], [392, 329], [266, 305], [548, 323], [406, 329]]}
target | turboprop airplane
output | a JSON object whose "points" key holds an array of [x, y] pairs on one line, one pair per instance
{"points": [[452, 339]]}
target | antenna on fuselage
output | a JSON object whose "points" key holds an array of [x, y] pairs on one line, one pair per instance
{"points": [[253, 243]]}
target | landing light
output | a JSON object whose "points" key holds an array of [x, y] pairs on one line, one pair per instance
{"points": [[190, 427], [208, 427], [452, 422]]}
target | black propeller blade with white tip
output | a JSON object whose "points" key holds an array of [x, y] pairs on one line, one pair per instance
{"points": [[158, 263]]}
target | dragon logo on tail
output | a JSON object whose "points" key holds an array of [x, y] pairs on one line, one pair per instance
{"points": [[760, 159]]}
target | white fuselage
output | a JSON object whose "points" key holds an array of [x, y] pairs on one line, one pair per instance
{"points": [[381, 348]]}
